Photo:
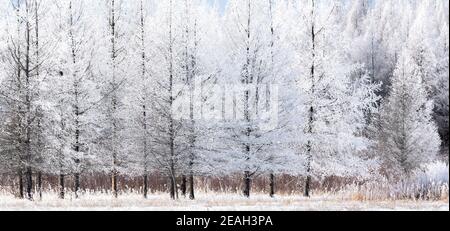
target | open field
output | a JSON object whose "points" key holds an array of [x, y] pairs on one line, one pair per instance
{"points": [[214, 202]]}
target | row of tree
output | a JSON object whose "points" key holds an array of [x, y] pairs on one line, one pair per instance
{"points": [[308, 87]]}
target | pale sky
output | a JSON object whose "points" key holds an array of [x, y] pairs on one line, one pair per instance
{"points": [[221, 3]]}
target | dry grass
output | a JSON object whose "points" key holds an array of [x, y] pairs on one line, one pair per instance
{"points": [[358, 196]]}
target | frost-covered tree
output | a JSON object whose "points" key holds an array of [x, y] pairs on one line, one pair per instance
{"points": [[75, 94], [191, 69], [408, 134], [111, 67], [428, 43], [167, 144], [21, 88], [441, 99], [250, 71], [335, 103], [384, 32], [200, 67], [356, 18], [140, 88]]}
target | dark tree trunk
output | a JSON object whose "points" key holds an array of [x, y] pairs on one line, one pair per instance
{"points": [[77, 183], [191, 187], [307, 186], [114, 184], [311, 110], [36, 27], [77, 108], [247, 183], [144, 108], [29, 177], [183, 185], [272, 185], [172, 188], [247, 79], [20, 175], [145, 185], [61, 186], [39, 184], [173, 183]]}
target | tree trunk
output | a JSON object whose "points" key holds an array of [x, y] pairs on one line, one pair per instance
{"points": [[247, 182], [61, 186], [39, 184], [20, 175], [173, 188], [247, 80], [36, 28], [311, 110], [114, 184], [183, 185], [77, 184], [77, 108], [272, 185], [29, 177], [191, 187], [173, 183], [144, 108], [307, 186], [145, 185]]}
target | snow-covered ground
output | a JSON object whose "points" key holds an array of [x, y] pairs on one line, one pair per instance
{"points": [[210, 201]]}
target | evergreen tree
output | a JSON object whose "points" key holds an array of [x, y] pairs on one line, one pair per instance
{"points": [[408, 135]]}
